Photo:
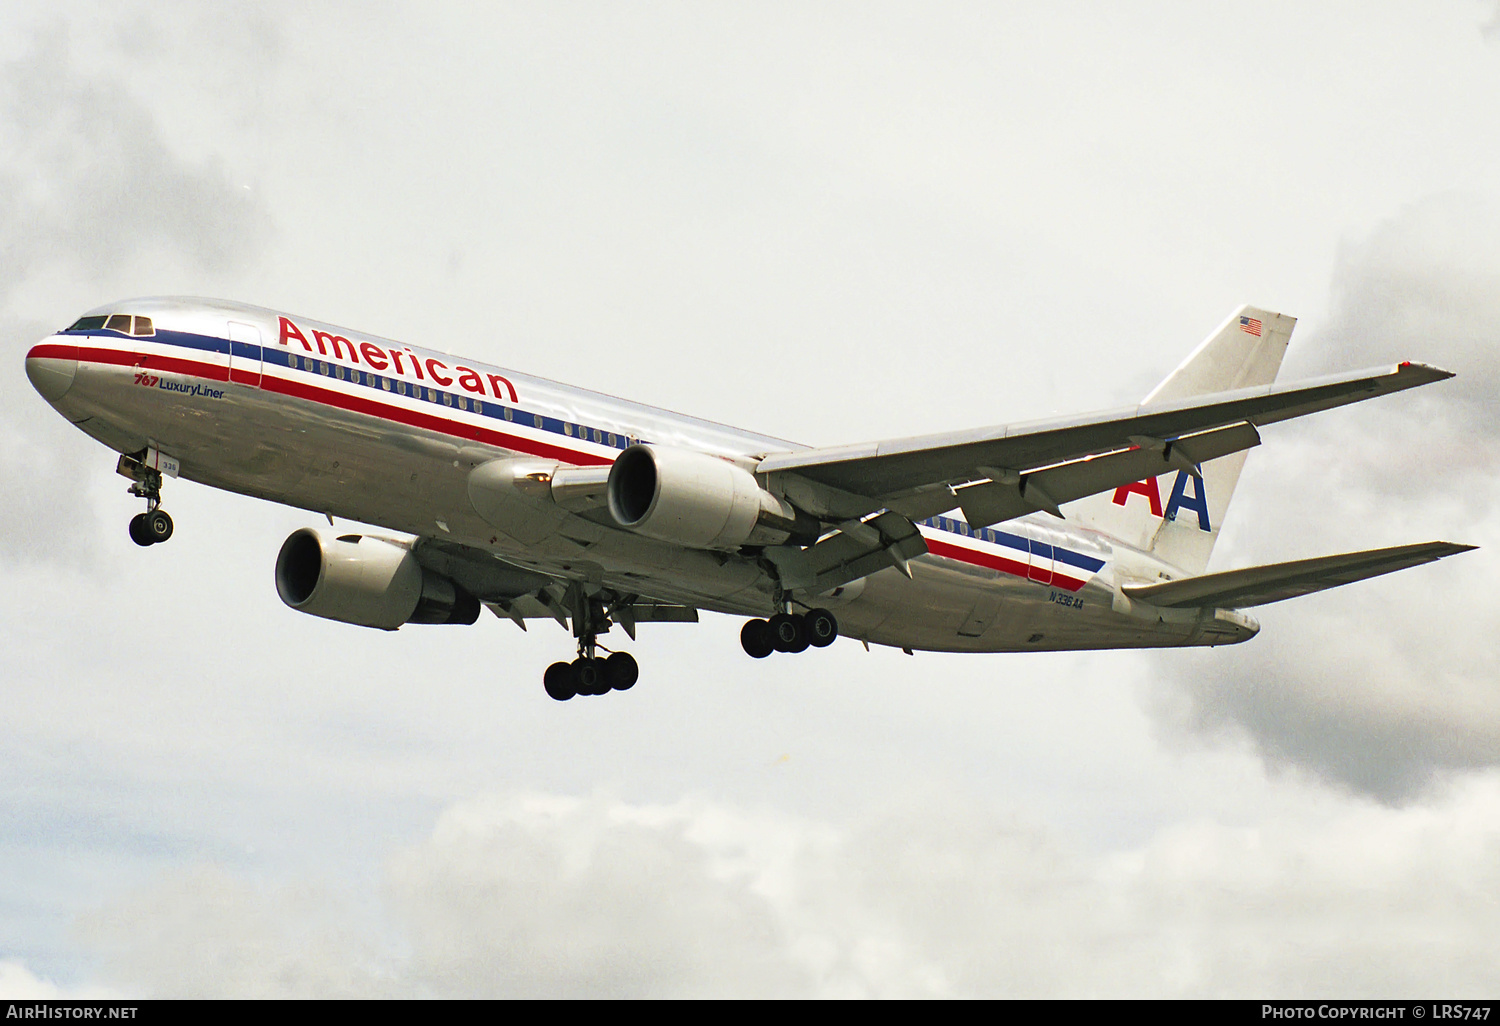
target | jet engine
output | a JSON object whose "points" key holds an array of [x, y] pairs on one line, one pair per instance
{"points": [[366, 581], [697, 500]]}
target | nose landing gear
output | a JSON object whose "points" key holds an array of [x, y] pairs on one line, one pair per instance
{"points": [[154, 525]]}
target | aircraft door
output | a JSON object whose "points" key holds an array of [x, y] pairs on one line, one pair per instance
{"points": [[244, 353], [1040, 543]]}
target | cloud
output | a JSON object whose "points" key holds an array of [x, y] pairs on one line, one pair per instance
{"points": [[1426, 285], [546, 895], [90, 188], [209, 934], [1490, 30], [18, 983], [1386, 686], [46, 515], [90, 181]]}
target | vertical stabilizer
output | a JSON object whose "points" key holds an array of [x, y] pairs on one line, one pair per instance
{"points": [[1177, 517]]}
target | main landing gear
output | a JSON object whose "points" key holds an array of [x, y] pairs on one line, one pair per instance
{"points": [[154, 525], [789, 632], [590, 674]]}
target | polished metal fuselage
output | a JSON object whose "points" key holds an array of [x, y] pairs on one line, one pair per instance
{"points": [[248, 405]]}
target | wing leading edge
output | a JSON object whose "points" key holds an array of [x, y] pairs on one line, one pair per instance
{"points": [[924, 476]]}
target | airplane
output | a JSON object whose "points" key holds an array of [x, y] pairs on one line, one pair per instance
{"points": [[537, 500]]}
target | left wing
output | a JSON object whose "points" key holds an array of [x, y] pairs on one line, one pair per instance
{"points": [[519, 593], [1020, 468]]}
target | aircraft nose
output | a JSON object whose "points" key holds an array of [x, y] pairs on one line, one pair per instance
{"points": [[51, 368]]}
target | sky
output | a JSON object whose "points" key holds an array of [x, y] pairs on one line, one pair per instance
{"points": [[830, 222]]}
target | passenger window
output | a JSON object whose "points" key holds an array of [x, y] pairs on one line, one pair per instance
{"points": [[119, 322], [143, 326]]}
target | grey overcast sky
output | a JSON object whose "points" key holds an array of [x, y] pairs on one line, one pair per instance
{"points": [[830, 222]]}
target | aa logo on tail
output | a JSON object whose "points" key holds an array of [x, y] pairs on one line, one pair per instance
{"points": [[1180, 500]]}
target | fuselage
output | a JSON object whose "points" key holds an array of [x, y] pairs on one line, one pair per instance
{"points": [[355, 426]]}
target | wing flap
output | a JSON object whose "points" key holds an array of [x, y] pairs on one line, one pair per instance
{"points": [[1004, 499], [859, 548], [1259, 585], [545, 606]]}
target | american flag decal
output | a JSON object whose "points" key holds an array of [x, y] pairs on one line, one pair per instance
{"points": [[1251, 325]]}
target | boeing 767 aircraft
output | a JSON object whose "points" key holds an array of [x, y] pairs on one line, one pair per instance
{"points": [[543, 501]]}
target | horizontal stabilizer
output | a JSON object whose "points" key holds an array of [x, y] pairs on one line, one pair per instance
{"points": [[1258, 585]]}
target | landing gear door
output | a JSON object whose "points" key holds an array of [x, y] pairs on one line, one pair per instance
{"points": [[244, 354]]}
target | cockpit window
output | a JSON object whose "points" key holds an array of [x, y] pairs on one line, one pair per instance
{"points": [[116, 322]]}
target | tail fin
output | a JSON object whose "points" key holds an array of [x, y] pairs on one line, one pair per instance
{"points": [[1177, 517]]}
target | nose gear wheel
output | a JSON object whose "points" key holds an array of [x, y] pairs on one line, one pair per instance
{"points": [[153, 526]]}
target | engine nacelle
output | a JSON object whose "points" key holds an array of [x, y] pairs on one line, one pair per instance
{"points": [[696, 500], [366, 581]]}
